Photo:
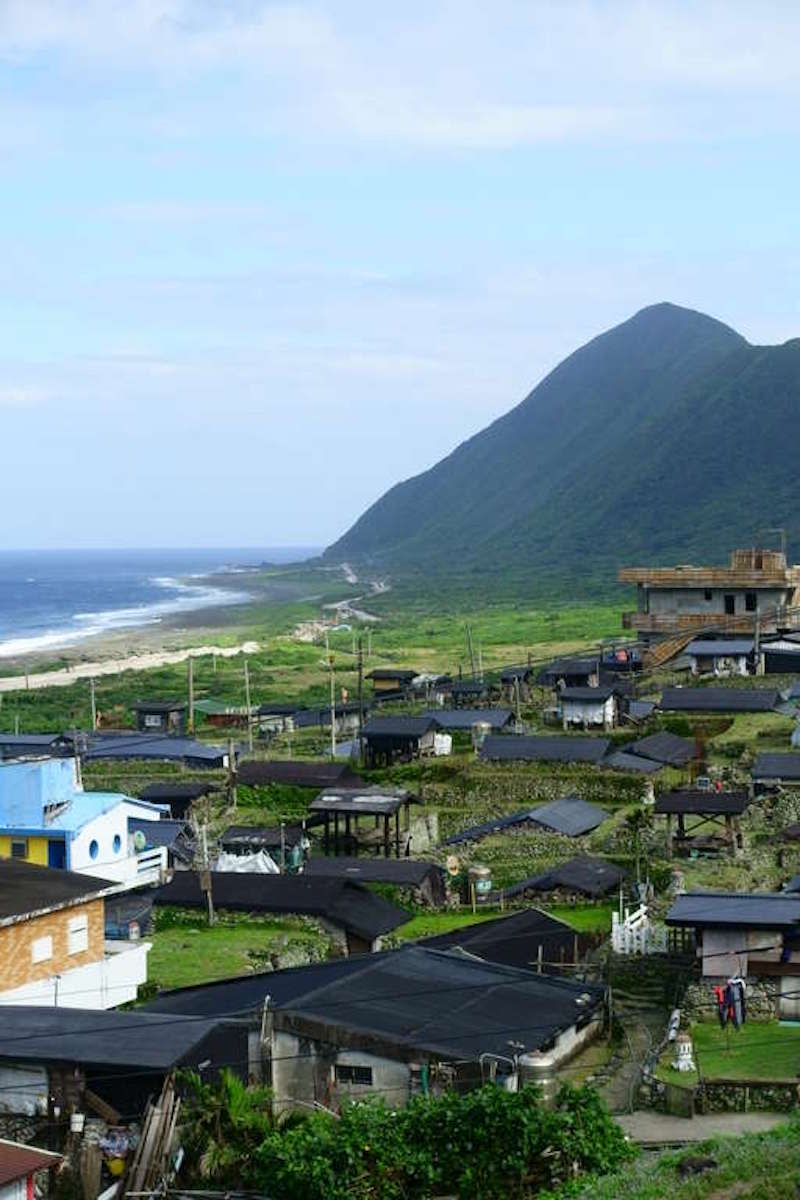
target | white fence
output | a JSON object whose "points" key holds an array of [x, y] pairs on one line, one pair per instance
{"points": [[635, 933]]}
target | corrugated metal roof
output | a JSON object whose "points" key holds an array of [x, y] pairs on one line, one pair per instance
{"points": [[720, 648], [776, 766], [511, 748], [621, 761], [716, 699], [696, 802], [753, 910], [665, 748], [465, 718], [571, 816]]}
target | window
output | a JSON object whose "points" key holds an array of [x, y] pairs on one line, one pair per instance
{"points": [[708, 595], [94, 849], [152, 720], [77, 934], [19, 848], [348, 1073], [41, 949], [730, 605], [117, 843], [750, 601]]}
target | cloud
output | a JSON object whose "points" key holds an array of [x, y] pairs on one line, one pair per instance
{"points": [[22, 397]]}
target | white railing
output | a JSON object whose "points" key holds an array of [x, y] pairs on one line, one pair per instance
{"points": [[635, 933]]}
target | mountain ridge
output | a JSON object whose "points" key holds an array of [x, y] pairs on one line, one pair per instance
{"points": [[654, 439]]}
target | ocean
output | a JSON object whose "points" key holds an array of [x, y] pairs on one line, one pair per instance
{"points": [[51, 599]]}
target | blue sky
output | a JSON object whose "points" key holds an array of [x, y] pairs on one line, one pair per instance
{"points": [[260, 261]]}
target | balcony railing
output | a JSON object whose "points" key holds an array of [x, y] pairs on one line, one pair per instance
{"points": [[687, 622]]}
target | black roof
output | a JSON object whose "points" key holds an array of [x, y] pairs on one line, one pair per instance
{"points": [[392, 673], [17, 745], [718, 699], [419, 1000], [256, 836], [667, 748], [398, 727], [702, 803], [349, 905], [371, 799], [279, 709], [175, 835], [297, 773], [98, 1037], [157, 746], [247, 993], [26, 889], [510, 674], [465, 718], [511, 748], [159, 706], [569, 666], [404, 872], [583, 694], [621, 761], [512, 939], [592, 876], [753, 910], [469, 687], [175, 790], [474, 832], [570, 816], [776, 766]]}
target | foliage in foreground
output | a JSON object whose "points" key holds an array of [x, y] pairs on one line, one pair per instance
{"points": [[486, 1145]]}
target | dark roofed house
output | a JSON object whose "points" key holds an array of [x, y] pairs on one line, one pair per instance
{"points": [[774, 770], [571, 672], [585, 707], [569, 816], [300, 773], [424, 879], [176, 836], [456, 719], [360, 917], [389, 739], [543, 749], [715, 808], [378, 1030], [122, 1057], [391, 679], [751, 934], [468, 693], [160, 716], [250, 839], [723, 656], [33, 745], [620, 760], [583, 876], [156, 747], [666, 748], [377, 804], [522, 939], [179, 796], [718, 699]]}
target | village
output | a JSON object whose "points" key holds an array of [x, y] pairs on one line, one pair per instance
{"points": [[580, 868]]}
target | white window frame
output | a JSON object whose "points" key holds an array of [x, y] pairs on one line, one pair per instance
{"points": [[78, 934], [18, 841], [42, 949]]}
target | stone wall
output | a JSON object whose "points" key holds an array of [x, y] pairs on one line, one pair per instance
{"points": [[699, 1003]]}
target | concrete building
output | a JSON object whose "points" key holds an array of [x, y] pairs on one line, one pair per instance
{"points": [[686, 599], [53, 949], [588, 707], [47, 818], [723, 656]]}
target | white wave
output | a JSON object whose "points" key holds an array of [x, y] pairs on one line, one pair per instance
{"points": [[186, 598]]}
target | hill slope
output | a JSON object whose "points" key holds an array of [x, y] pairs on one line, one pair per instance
{"points": [[668, 438]]}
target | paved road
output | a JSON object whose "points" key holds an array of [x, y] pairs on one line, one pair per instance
{"points": [[656, 1129]]}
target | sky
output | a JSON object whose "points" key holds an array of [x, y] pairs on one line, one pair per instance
{"points": [[261, 261]]}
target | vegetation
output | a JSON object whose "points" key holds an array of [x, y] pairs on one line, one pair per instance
{"points": [[759, 1050], [605, 451], [488, 1144]]}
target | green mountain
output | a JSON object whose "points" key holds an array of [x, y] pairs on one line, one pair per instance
{"points": [[667, 439]]}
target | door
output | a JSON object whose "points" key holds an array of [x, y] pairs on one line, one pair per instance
{"points": [[56, 854], [730, 605]]}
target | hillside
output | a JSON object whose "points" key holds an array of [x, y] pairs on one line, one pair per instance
{"points": [[667, 439]]}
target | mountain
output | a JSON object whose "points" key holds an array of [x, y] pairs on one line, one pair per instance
{"points": [[667, 439]]}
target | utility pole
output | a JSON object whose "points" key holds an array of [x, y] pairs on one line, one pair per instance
{"points": [[93, 702], [333, 708], [516, 696], [190, 689], [480, 662], [471, 654], [369, 644], [205, 875], [757, 642], [247, 705], [360, 695], [232, 774]]}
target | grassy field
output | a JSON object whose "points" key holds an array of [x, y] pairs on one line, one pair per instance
{"points": [[759, 1050], [752, 1167]]}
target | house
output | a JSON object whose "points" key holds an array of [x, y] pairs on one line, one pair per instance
{"points": [[621, 760], [585, 707], [277, 717], [33, 745], [156, 747], [419, 1021], [751, 934], [61, 1058], [757, 586], [723, 656], [226, 716], [356, 917], [175, 836], [529, 938], [391, 680], [543, 749], [299, 773], [469, 693], [781, 656], [707, 808], [53, 947], [516, 681], [580, 876], [571, 672], [773, 771], [176, 795], [47, 818], [160, 716], [717, 700], [274, 840], [569, 816], [668, 749], [391, 739], [458, 720], [19, 1166], [382, 806], [423, 879]]}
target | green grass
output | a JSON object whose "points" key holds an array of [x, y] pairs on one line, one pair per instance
{"points": [[583, 918], [759, 1050], [188, 954], [755, 1166]]}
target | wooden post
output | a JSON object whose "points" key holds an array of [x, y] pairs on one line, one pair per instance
{"points": [[386, 835], [669, 835], [247, 703], [232, 793]]}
